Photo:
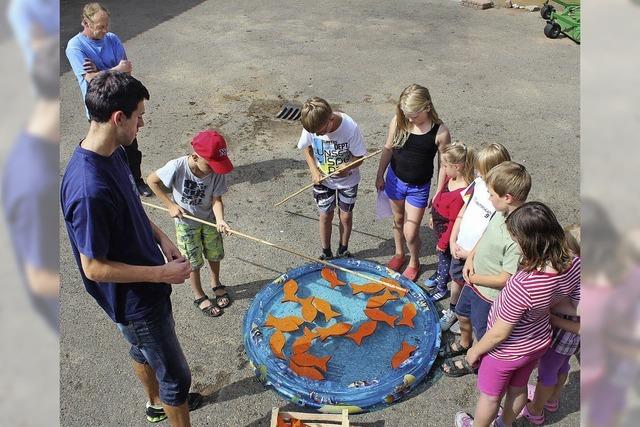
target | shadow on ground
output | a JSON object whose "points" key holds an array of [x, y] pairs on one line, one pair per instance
{"points": [[263, 171]]}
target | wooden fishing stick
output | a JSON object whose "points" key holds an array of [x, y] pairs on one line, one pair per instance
{"points": [[306, 187], [255, 239]]}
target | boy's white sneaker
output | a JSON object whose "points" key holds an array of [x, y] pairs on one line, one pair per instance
{"points": [[455, 328], [448, 318]]}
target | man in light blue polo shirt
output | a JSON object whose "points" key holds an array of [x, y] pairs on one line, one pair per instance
{"points": [[95, 49]]}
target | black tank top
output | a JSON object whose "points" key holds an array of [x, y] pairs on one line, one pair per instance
{"points": [[413, 163]]}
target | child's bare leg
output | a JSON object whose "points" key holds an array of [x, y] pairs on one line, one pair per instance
{"points": [[456, 289], [196, 287], [543, 393], [346, 225], [514, 401], [325, 221], [562, 379], [486, 410], [413, 218], [215, 273], [397, 207], [466, 337]]}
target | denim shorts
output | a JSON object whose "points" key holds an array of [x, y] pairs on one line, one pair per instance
{"points": [[396, 189], [154, 342], [455, 270], [476, 309]]}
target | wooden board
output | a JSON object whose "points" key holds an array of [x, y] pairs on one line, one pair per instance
{"points": [[313, 419]]}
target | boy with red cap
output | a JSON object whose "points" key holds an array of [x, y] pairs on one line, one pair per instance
{"points": [[198, 183]]}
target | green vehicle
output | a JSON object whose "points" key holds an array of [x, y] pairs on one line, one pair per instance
{"points": [[566, 21]]}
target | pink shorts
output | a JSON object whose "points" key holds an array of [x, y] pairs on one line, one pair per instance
{"points": [[495, 375]]}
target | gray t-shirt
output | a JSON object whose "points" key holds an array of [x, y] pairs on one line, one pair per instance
{"points": [[193, 194]]}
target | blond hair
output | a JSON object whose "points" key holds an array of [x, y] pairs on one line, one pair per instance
{"points": [[510, 178], [460, 154], [91, 9], [413, 99], [315, 113], [572, 234], [490, 155]]}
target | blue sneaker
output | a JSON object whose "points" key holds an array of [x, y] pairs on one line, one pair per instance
{"points": [[440, 294], [431, 281]]}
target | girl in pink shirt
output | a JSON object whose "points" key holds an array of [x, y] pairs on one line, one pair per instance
{"points": [[519, 329]]}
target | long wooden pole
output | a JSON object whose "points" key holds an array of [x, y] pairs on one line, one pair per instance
{"points": [[291, 251], [306, 187]]}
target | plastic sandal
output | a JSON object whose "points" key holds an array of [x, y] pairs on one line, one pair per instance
{"points": [[211, 311], [410, 273], [550, 405], [533, 419], [219, 297], [396, 262], [455, 371]]}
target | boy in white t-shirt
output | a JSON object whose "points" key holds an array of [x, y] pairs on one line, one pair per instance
{"points": [[198, 183], [332, 140], [471, 222]]}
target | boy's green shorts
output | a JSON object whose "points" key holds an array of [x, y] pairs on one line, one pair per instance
{"points": [[194, 241]]}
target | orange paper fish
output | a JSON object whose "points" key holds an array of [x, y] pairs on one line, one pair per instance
{"points": [[397, 287], [380, 300], [289, 289], [303, 343], [284, 324], [311, 361], [331, 277], [402, 355], [334, 330], [309, 311], [368, 288], [366, 329], [325, 308], [379, 315], [408, 313], [276, 342], [305, 371]]}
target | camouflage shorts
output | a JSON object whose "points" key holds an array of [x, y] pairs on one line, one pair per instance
{"points": [[196, 241]]}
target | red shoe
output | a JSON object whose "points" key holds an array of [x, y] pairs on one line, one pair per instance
{"points": [[396, 262], [411, 273]]}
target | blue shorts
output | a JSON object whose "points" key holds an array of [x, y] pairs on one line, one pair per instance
{"points": [[396, 189], [476, 309], [154, 342]]}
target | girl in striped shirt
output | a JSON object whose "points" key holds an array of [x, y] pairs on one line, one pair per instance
{"points": [[519, 329]]}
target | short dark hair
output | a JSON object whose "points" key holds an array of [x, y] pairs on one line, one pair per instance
{"points": [[46, 69], [112, 91]]}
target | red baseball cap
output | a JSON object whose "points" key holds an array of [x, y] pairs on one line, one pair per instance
{"points": [[211, 146]]}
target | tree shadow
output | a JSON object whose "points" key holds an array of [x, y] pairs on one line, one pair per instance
{"points": [[265, 170], [128, 19]]}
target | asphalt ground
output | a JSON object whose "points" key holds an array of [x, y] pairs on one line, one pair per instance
{"points": [[493, 76]]}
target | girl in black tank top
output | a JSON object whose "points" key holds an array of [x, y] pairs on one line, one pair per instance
{"points": [[413, 162], [410, 159]]}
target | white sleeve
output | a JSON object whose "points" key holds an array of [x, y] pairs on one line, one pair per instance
{"points": [[305, 139], [219, 186], [356, 145], [167, 173]]}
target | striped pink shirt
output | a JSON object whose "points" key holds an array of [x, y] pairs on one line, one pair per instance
{"points": [[525, 302]]}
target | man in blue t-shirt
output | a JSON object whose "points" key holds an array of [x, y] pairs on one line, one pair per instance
{"points": [[95, 49], [120, 253]]}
